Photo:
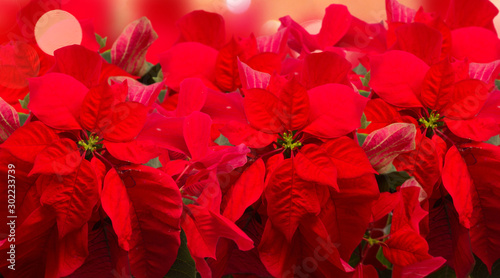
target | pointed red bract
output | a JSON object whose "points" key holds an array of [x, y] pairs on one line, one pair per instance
{"points": [[348, 157], [346, 213], [467, 99], [419, 40], [203, 229], [197, 134], [98, 104], [135, 151], [408, 213], [331, 119], [60, 158], [311, 245], [458, 183], [19, 61], [290, 199], [334, 26], [186, 60], [448, 239], [261, 107], [423, 163], [385, 204], [437, 89], [154, 131], [419, 269], [323, 68], [485, 49], [124, 123], [69, 253], [293, 107], [29, 140], [226, 67], [238, 133], [245, 191], [52, 103], [484, 125], [312, 163], [380, 114], [105, 256], [406, 247], [483, 162], [397, 76], [72, 197], [192, 97], [146, 217], [80, 63]]}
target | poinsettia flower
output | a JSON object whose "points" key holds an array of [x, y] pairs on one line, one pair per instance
{"points": [[290, 108], [444, 88], [65, 195], [70, 185], [457, 26]]}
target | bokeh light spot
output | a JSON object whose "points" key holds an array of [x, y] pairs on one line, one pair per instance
{"points": [[238, 6], [56, 29], [312, 26]]}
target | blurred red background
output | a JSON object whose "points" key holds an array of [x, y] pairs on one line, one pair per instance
{"points": [[111, 16]]}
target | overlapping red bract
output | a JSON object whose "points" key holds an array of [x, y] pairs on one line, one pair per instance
{"points": [[308, 181]]}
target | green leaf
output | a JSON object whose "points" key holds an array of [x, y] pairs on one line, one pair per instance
{"points": [[382, 259], [355, 256], [388, 182], [497, 84], [101, 41], [162, 95], [495, 140], [360, 69], [366, 80], [153, 72], [222, 141], [106, 55], [155, 163], [24, 102], [159, 77], [22, 118], [361, 138], [364, 93], [364, 121], [184, 266]]}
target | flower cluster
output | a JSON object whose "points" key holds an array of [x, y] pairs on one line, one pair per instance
{"points": [[365, 150]]}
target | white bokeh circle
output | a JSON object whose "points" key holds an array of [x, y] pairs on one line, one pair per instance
{"points": [[56, 29]]}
